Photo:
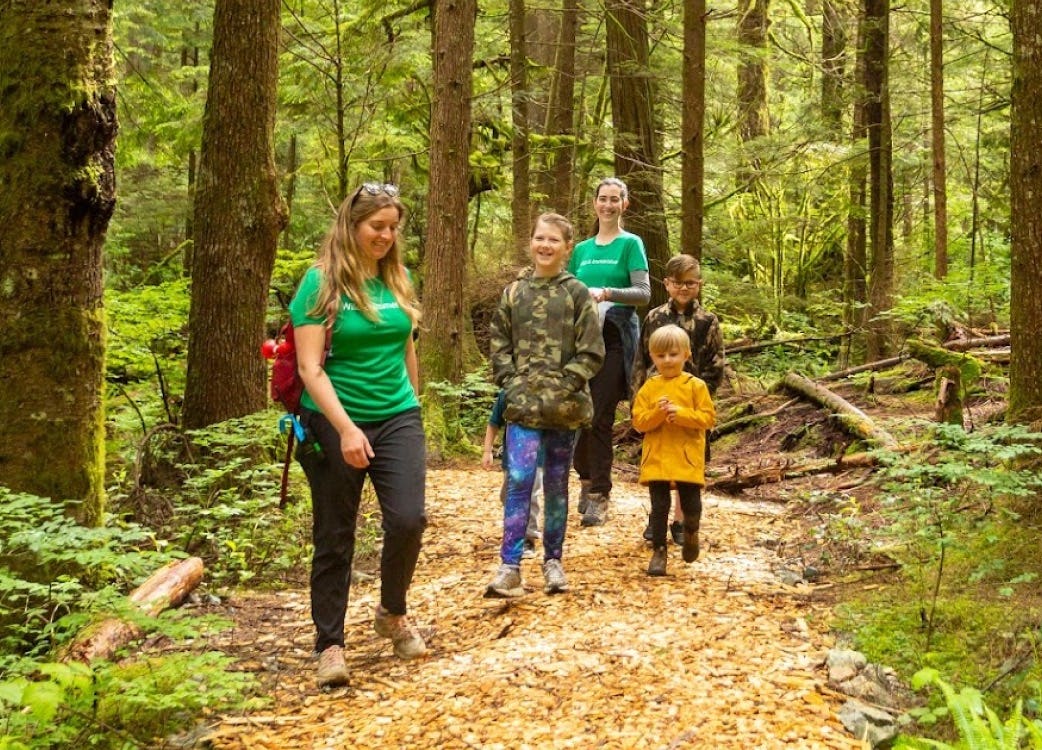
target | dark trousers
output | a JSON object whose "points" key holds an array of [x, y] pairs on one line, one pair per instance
{"points": [[594, 452], [398, 474], [690, 503]]}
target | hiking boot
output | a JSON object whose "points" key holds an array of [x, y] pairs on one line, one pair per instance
{"points": [[408, 643], [332, 669], [529, 550], [506, 583], [584, 495], [596, 510], [676, 530], [657, 566], [690, 549], [553, 575]]}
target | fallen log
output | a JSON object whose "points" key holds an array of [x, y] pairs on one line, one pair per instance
{"points": [[761, 345], [737, 481], [936, 357], [849, 416], [749, 420], [165, 588], [879, 364], [987, 342]]}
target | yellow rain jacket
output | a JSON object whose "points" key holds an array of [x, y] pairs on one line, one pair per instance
{"points": [[673, 451]]}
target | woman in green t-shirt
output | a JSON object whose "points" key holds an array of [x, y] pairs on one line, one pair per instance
{"points": [[614, 266], [362, 417]]}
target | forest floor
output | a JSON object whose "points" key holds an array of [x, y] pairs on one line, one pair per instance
{"points": [[725, 653], [718, 654]]}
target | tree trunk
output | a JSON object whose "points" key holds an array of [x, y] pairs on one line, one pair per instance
{"points": [[855, 256], [561, 119], [753, 22], [636, 146], [692, 189], [1025, 385], [833, 63], [520, 202], [58, 125], [940, 187], [881, 200], [441, 348], [238, 216]]}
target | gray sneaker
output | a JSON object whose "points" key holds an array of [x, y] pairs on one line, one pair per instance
{"points": [[505, 584], [596, 510], [553, 574]]}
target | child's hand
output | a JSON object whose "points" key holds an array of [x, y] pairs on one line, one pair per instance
{"points": [[486, 459], [664, 404]]}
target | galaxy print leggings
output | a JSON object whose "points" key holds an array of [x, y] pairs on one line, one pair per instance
{"points": [[522, 446]]}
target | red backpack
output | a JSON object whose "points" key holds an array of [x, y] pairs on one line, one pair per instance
{"points": [[286, 389]]}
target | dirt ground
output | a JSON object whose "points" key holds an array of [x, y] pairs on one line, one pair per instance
{"points": [[718, 654]]}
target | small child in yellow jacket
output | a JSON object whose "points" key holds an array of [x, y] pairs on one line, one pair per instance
{"points": [[674, 410]]}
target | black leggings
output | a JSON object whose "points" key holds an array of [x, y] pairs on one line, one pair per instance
{"points": [[690, 502], [398, 474], [594, 452]]}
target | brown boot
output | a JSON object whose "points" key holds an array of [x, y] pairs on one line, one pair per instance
{"points": [[657, 566], [689, 550]]}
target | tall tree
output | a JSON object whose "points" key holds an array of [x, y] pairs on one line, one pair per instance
{"points": [[1025, 385], [452, 49], [833, 63], [58, 125], [692, 139], [238, 216], [880, 176], [940, 186], [636, 142], [753, 22], [520, 202], [561, 116], [855, 257]]}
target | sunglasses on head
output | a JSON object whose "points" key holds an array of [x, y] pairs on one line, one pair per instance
{"points": [[375, 188]]}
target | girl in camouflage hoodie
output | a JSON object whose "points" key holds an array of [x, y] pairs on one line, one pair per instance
{"points": [[546, 344]]}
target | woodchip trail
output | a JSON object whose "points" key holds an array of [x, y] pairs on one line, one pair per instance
{"points": [[719, 654]]}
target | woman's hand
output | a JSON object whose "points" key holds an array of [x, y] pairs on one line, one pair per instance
{"points": [[354, 445]]}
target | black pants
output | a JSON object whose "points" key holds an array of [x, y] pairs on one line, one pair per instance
{"points": [[690, 503], [398, 474], [594, 453]]}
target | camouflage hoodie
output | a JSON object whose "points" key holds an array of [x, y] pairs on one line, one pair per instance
{"points": [[546, 344]]}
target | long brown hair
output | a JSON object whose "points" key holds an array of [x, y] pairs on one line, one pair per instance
{"points": [[341, 259]]}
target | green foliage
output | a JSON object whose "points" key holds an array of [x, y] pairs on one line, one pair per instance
{"points": [[979, 727], [131, 704], [469, 405]]}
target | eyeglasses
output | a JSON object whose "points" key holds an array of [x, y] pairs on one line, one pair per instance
{"points": [[684, 284], [375, 188]]}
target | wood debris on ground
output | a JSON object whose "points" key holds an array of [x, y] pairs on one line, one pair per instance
{"points": [[718, 654]]}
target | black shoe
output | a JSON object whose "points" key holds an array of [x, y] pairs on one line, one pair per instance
{"points": [[676, 530], [657, 566], [648, 536]]}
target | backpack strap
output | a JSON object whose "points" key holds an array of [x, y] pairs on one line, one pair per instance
{"points": [[284, 488]]}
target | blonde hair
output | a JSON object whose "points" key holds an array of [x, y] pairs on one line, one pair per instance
{"points": [[668, 338], [341, 259]]}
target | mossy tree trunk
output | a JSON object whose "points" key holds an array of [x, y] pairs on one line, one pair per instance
{"points": [[636, 134], [1025, 385], [238, 216], [57, 193], [692, 169], [452, 40]]}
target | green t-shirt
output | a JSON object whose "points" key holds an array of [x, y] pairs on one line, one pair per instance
{"points": [[366, 361], [600, 266]]}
